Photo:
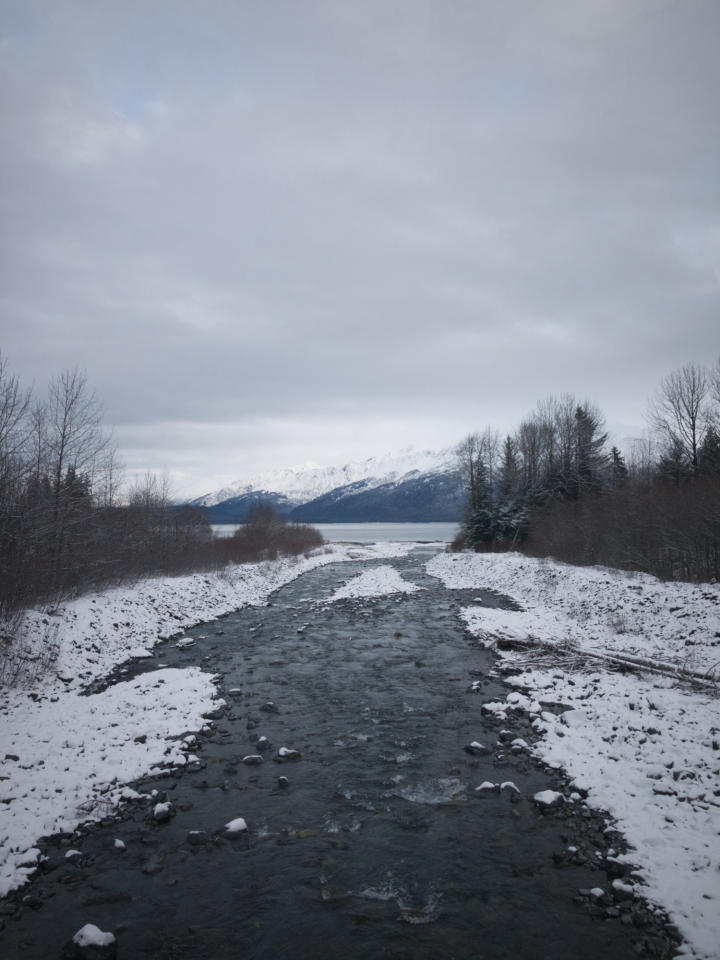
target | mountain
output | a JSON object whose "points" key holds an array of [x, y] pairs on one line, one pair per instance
{"points": [[409, 486], [418, 498]]}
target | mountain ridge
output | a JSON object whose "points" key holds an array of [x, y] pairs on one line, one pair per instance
{"points": [[411, 486], [307, 481]]}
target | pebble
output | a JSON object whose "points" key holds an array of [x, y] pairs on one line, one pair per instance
{"points": [[285, 753], [253, 760]]}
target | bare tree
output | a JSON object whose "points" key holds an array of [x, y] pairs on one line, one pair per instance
{"points": [[14, 404], [75, 434], [680, 409], [76, 444], [715, 391]]}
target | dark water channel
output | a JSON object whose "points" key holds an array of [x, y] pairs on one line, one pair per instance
{"points": [[379, 847]]}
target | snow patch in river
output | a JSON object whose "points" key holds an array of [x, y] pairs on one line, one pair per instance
{"points": [[376, 582]]}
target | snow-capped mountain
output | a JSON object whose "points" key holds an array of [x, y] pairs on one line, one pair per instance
{"points": [[301, 484]]}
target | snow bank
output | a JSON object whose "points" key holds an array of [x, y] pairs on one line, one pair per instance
{"points": [[645, 748], [376, 582], [675, 624], [65, 760], [98, 631]]}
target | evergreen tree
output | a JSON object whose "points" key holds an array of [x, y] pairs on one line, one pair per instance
{"points": [[709, 453], [589, 457], [618, 468], [480, 520], [509, 472], [675, 464]]}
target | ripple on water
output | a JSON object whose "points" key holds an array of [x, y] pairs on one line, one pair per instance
{"points": [[441, 790], [413, 909]]}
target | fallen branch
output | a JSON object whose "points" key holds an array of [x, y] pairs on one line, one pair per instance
{"points": [[569, 655]]}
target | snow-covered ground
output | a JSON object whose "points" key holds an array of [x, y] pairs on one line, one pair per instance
{"points": [[376, 582], [64, 757], [646, 745]]}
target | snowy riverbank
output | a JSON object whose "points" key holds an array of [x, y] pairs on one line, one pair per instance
{"points": [[65, 757], [645, 746]]}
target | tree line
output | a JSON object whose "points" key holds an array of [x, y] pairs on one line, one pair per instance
{"points": [[67, 522], [557, 487]]}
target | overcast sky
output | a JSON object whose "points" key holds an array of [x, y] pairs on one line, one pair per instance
{"points": [[325, 229]]}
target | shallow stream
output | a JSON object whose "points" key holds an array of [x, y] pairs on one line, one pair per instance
{"points": [[379, 846]]}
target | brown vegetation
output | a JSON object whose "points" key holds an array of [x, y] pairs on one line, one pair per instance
{"points": [[64, 528]]}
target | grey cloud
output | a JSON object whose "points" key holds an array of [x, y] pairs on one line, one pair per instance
{"points": [[391, 211]]}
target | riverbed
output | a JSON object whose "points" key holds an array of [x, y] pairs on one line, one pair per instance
{"points": [[370, 837]]}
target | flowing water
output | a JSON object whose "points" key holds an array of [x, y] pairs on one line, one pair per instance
{"points": [[379, 846]]}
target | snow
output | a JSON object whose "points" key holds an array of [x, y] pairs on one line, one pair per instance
{"points": [[375, 582], [306, 481], [92, 936], [75, 753], [645, 745]]}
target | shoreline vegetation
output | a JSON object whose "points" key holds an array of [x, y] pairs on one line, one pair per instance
{"points": [[67, 524], [557, 489]]}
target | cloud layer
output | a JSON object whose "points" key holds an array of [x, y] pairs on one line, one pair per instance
{"points": [[317, 229]]}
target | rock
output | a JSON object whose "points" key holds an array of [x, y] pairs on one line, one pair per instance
{"points": [[253, 760], [476, 749], [237, 825], [118, 844], [163, 812], [141, 739], [153, 864], [615, 869], [623, 891], [262, 743], [91, 943], [283, 783], [285, 753], [270, 707], [12, 756], [198, 838], [548, 798], [185, 642], [486, 787], [509, 788]]}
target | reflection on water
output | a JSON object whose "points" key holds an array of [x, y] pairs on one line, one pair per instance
{"points": [[369, 532]]}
